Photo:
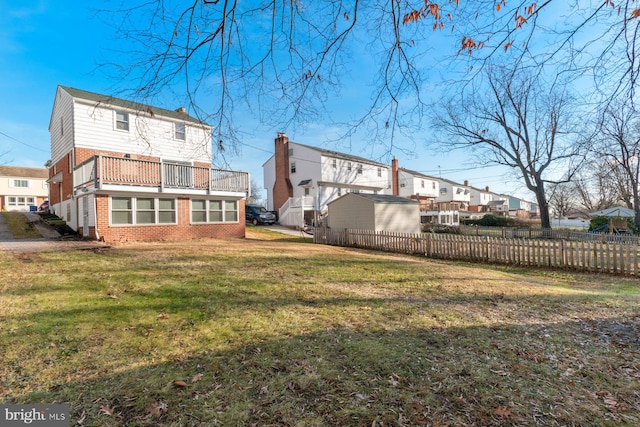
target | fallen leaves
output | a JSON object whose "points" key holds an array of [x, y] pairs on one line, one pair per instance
{"points": [[505, 412], [157, 408]]}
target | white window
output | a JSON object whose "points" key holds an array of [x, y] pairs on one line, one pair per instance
{"points": [[167, 211], [15, 201], [433, 185], [121, 210], [335, 164], [180, 132], [142, 210], [293, 167], [122, 120], [349, 166], [203, 211], [360, 169], [20, 183], [422, 183], [379, 172]]}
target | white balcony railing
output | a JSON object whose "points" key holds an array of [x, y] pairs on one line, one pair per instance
{"points": [[101, 170]]}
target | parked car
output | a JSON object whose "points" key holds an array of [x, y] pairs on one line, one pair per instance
{"points": [[44, 207], [259, 215]]}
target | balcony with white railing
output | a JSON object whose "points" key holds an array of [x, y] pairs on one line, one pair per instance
{"points": [[113, 172]]}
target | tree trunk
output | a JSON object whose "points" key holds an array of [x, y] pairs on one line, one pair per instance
{"points": [[543, 205]]}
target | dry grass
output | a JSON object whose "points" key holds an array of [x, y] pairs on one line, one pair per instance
{"points": [[20, 226], [272, 331]]}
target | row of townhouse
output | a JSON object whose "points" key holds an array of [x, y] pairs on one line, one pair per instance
{"points": [[124, 171], [301, 181]]}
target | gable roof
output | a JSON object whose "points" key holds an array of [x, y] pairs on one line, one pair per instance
{"points": [[22, 172], [130, 105], [344, 156]]}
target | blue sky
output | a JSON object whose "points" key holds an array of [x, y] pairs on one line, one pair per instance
{"points": [[44, 43]]}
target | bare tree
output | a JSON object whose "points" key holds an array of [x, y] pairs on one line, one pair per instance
{"points": [[286, 58], [620, 149], [256, 193], [561, 199], [517, 121], [595, 189]]}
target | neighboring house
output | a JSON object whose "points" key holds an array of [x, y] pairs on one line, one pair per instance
{"points": [[523, 209], [377, 212], [302, 180], [479, 199], [21, 188], [123, 171]]}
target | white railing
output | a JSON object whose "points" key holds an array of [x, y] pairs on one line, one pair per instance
{"points": [[101, 170], [292, 212]]}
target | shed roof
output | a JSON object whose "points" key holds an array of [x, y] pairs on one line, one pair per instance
{"points": [[131, 105], [381, 198]]}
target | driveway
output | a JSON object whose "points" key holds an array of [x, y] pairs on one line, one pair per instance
{"points": [[50, 242]]}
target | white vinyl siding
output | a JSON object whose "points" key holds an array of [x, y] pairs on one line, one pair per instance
{"points": [[94, 127]]}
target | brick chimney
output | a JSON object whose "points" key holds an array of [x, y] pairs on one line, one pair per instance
{"points": [[486, 188], [395, 178], [182, 110], [466, 183], [282, 188]]}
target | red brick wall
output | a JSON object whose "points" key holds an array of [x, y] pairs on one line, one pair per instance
{"points": [[282, 188], [67, 181], [184, 230], [83, 154]]}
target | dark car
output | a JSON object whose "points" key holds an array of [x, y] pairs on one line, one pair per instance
{"points": [[44, 207], [259, 215]]}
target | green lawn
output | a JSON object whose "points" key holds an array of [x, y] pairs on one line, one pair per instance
{"points": [[267, 331]]}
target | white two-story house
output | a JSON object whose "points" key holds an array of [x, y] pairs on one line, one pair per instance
{"points": [[22, 189], [124, 171], [301, 180]]}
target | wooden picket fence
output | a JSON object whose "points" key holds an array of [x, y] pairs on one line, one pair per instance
{"points": [[604, 257]]}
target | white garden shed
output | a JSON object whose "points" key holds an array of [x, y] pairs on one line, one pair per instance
{"points": [[378, 212]]}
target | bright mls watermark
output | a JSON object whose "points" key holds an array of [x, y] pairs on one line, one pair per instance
{"points": [[34, 415]]}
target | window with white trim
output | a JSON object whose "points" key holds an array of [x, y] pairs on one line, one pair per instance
{"points": [[179, 131], [214, 211], [360, 169], [121, 210], [19, 201], [122, 120], [293, 167], [20, 183], [142, 210]]}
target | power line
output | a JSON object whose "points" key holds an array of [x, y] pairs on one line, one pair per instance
{"points": [[23, 143]]}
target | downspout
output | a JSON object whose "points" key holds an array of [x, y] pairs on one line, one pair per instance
{"points": [[95, 216]]}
